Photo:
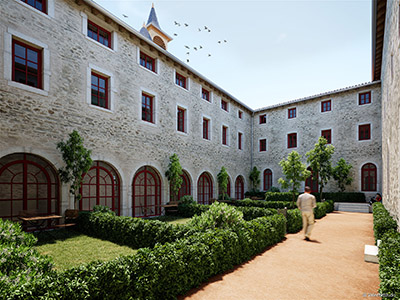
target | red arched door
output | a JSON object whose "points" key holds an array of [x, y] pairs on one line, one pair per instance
{"points": [[185, 187], [146, 193], [239, 188], [100, 186], [228, 188], [267, 179], [312, 183], [27, 182], [368, 177], [204, 189]]}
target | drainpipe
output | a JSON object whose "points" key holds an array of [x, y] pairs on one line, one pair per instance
{"points": [[252, 140]]}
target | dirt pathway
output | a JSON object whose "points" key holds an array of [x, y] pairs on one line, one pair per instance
{"points": [[331, 266]]}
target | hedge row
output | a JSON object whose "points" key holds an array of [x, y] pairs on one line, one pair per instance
{"points": [[263, 203], [335, 197], [389, 252], [162, 272], [383, 222]]}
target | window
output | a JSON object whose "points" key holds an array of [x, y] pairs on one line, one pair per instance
{"points": [[240, 140], [38, 4], [27, 64], [263, 145], [99, 90], [181, 119], [327, 134], [292, 140], [326, 106], [206, 129], [240, 114], [225, 135], [364, 98], [291, 113], [205, 94], [364, 132], [99, 34], [239, 188], [263, 119], [204, 188], [312, 182], [147, 62], [368, 177], [267, 179], [147, 108], [181, 80], [224, 105]]}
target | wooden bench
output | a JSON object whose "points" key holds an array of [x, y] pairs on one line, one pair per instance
{"points": [[70, 215], [33, 218], [171, 206]]}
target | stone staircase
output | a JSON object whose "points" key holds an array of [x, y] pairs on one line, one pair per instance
{"points": [[353, 207]]}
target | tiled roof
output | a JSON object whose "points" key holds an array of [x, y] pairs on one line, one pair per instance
{"points": [[366, 84], [145, 33], [153, 18]]}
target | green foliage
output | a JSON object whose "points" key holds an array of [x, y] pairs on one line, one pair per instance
{"points": [[77, 162], [103, 209], [319, 159], [383, 222], [219, 215], [222, 178], [262, 203], [273, 189], [255, 178], [258, 194], [295, 173], [294, 220], [342, 197], [341, 173], [174, 175], [186, 200], [286, 196], [189, 209], [251, 213]]}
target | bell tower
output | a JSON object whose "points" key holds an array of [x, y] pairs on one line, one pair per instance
{"points": [[153, 31]]}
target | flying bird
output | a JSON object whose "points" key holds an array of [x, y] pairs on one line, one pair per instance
{"points": [[176, 23], [219, 42], [125, 16], [187, 53], [201, 47], [187, 47], [187, 60], [225, 41], [195, 48], [209, 30], [199, 29], [186, 25], [205, 27], [175, 34], [209, 55]]}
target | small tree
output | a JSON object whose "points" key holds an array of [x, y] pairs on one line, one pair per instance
{"points": [[174, 175], [78, 162], [341, 173], [255, 178], [295, 173], [319, 159], [222, 178]]}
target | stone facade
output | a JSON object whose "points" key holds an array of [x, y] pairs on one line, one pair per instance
{"points": [[33, 120], [343, 120], [390, 110]]}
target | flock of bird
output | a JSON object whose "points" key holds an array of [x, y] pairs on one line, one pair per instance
{"points": [[196, 48]]}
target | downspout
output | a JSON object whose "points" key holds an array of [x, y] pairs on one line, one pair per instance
{"points": [[252, 141]]}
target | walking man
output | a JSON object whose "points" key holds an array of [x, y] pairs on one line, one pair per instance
{"points": [[306, 203]]}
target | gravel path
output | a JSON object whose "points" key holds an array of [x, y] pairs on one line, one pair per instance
{"points": [[331, 266]]}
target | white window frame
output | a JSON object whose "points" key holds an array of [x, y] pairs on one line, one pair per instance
{"points": [[111, 90], [49, 6], [186, 119], [211, 94], [266, 144], [8, 61], [320, 106], [227, 105], [155, 106], [297, 140], [228, 138], [331, 129], [156, 61], [238, 140], [96, 20], [187, 81], [362, 92], [287, 113], [209, 128], [371, 128]]}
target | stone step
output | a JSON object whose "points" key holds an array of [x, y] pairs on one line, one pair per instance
{"points": [[352, 207], [371, 254]]}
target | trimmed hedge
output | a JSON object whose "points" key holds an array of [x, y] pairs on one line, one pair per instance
{"points": [[162, 272], [294, 220], [335, 197], [385, 229], [250, 213], [258, 194], [262, 203], [191, 209], [383, 222]]}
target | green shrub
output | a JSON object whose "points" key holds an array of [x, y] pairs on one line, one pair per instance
{"points": [[187, 200], [103, 209], [261, 203], [274, 189], [219, 215], [383, 222], [274, 196], [389, 265], [258, 194], [343, 197], [189, 210], [294, 220], [250, 213], [320, 210]]}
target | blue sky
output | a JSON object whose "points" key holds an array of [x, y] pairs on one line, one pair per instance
{"points": [[276, 51]]}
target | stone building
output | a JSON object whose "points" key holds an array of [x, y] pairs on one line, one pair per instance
{"points": [[71, 65]]}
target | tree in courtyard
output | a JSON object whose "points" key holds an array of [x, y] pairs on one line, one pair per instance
{"points": [[77, 162], [222, 178], [174, 175], [319, 159], [341, 173], [255, 178], [295, 173]]}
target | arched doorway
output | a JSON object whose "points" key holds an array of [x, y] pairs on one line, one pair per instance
{"points": [[146, 196], [204, 188], [267, 179], [239, 188], [312, 183], [368, 177], [27, 182], [185, 187], [100, 186]]}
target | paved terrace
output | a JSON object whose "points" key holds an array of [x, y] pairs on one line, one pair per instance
{"points": [[331, 266]]}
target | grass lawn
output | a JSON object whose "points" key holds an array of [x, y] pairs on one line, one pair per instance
{"points": [[172, 219], [69, 249]]}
